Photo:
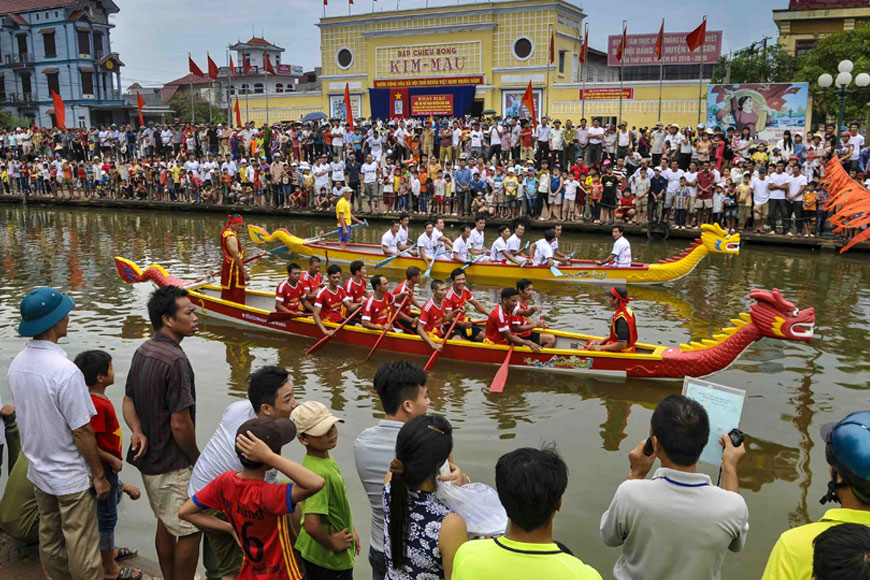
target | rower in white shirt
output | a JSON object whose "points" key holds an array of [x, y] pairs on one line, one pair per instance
{"points": [[461, 246], [404, 231], [427, 243], [620, 256], [515, 242], [475, 239], [499, 251], [542, 254], [390, 239], [439, 234]]}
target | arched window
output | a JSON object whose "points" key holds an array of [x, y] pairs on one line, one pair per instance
{"points": [[279, 88], [258, 88], [232, 89], [246, 90]]}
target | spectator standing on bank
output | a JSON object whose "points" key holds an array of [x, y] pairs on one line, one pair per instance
{"points": [[54, 413], [677, 524], [842, 553], [530, 484], [160, 410]]}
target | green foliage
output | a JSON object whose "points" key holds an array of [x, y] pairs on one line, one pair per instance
{"points": [[180, 105], [10, 121], [853, 45], [757, 64]]}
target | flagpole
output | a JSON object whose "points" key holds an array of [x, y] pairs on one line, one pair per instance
{"points": [[192, 113], [701, 77], [661, 73], [266, 91], [549, 39], [228, 86], [621, 65]]}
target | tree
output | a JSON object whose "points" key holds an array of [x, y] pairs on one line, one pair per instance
{"points": [[10, 121], [853, 45], [180, 105], [756, 64]]}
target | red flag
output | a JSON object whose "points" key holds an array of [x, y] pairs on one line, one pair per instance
{"points": [[59, 110], [233, 68], [267, 64], [140, 102], [584, 50], [660, 41], [529, 102], [194, 70], [238, 112], [698, 36], [348, 110], [212, 67], [620, 50], [325, 2], [552, 48], [246, 64]]}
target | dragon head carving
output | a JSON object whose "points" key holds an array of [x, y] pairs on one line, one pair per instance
{"points": [[776, 317], [717, 240]]}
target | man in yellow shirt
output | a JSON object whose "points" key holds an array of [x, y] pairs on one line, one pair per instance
{"points": [[848, 454], [530, 485], [344, 216]]}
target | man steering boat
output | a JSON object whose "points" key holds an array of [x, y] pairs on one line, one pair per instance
{"points": [[234, 277], [623, 328]]}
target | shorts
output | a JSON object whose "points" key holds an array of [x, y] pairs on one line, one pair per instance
{"points": [[405, 326], [534, 337], [344, 234], [372, 191], [167, 492], [511, 201], [466, 333], [641, 203], [669, 199], [703, 203], [760, 212], [227, 552], [555, 200]]}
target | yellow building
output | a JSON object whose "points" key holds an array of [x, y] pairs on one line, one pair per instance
{"points": [[482, 55], [804, 22]]}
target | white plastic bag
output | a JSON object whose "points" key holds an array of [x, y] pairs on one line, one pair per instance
{"points": [[478, 505]]}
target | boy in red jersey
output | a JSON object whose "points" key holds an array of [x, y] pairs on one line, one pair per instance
{"points": [[291, 293], [457, 296], [355, 286], [329, 300], [501, 324], [312, 279], [378, 310], [432, 315], [525, 309], [256, 510], [407, 321]]}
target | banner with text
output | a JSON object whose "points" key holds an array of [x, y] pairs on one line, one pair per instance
{"points": [[423, 105], [640, 49], [426, 60], [606, 94], [428, 82]]}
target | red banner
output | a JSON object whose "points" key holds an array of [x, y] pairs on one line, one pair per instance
{"points": [[399, 103], [640, 49], [423, 105], [428, 82], [605, 94]]}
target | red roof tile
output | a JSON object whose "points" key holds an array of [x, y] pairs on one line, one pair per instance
{"points": [[10, 6]]}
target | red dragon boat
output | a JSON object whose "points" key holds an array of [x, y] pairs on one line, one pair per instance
{"points": [[770, 315]]}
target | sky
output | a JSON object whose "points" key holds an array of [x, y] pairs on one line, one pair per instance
{"points": [[153, 37]]}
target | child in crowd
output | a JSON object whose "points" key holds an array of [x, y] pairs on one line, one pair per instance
{"points": [[99, 374], [811, 205], [641, 193], [681, 200], [596, 190], [718, 205], [439, 187], [328, 541], [323, 202], [403, 191], [256, 511], [731, 208], [570, 201], [744, 201]]}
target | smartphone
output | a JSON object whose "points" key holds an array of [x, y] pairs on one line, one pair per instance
{"points": [[648, 447]]}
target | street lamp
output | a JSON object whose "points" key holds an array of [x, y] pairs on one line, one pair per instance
{"points": [[843, 80]]}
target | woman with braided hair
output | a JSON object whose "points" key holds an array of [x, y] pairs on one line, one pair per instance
{"points": [[421, 534]]}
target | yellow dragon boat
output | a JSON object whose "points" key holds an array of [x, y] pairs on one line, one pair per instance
{"points": [[713, 240]]}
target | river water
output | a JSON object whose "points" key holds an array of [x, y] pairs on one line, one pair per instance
{"points": [[792, 388]]}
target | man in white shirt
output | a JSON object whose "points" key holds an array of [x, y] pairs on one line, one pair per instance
{"points": [[376, 146], [476, 139], [390, 239], [427, 243], [475, 239], [673, 175], [321, 174], [270, 394], [460, 245], [54, 412], [779, 186], [797, 185], [596, 139], [542, 254], [620, 255], [623, 140], [703, 521], [515, 242], [336, 170], [856, 141], [581, 135], [657, 143], [499, 251], [371, 189], [542, 134], [404, 232], [438, 234], [692, 181], [760, 196], [557, 143]]}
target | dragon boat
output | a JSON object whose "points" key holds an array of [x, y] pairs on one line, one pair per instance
{"points": [[771, 315], [713, 240]]}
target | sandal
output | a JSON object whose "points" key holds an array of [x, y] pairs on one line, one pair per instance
{"points": [[128, 574], [126, 554]]}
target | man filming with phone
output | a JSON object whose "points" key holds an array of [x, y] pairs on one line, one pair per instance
{"points": [[676, 524]]}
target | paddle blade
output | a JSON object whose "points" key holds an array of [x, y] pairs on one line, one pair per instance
{"points": [[385, 262], [556, 272], [498, 382], [431, 361], [258, 234], [318, 345]]}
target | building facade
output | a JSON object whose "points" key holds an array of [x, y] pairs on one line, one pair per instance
{"points": [[62, 46], [804, 22]]}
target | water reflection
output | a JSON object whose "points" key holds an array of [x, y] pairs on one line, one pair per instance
{"points": [[792, 386]]}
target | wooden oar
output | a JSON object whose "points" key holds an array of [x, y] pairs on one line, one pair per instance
{"points": [[389, 326], [471, 263], [208, 278], [501, 376], [317, 346], [436, 352], [391, 258], [556, 272], [525, 260], [435, 255], [332, 233]]}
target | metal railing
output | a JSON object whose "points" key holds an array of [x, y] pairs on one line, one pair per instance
{"points": [[19, 98], [20, 58]]}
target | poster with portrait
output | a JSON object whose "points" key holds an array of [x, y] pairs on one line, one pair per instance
{"points": [[512, 104], [766, 110], [336, 106]]}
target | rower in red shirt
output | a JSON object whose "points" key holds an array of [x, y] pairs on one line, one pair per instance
{"points": [[406, 320], [329, 300], [433, 316], [455, 300], [623, 329], [233, 273], [290, 296], [355, 286], [378, 309], [502, 323], [312, 280], [524, 310]]}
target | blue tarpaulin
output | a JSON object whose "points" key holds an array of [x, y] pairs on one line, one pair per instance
{"points": [[463, 97]]}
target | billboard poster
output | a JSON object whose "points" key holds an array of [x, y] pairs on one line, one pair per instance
{"points": [[765, 109], [640, 49], [606, 94], [512, 104], [425, 105], [336, 106]]}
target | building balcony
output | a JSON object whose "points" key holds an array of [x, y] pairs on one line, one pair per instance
{"points": [[18, 99], [20, 59]]}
